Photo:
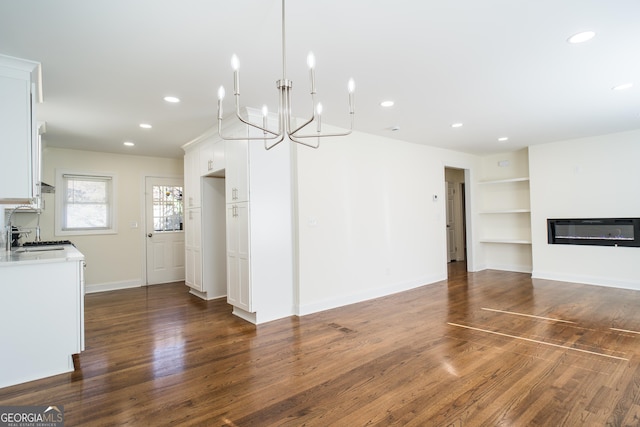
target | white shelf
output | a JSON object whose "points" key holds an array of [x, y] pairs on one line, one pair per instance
{"points": [[508, 241], [502, 181], [506, 211]]}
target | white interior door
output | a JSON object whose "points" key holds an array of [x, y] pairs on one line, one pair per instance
{"points": [[451, 222], [164, 230]]}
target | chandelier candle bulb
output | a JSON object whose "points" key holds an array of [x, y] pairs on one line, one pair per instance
{"points": [[265, 115], [311, 62], [352, 87], [235, 64], [319, 114], [220, 98]]}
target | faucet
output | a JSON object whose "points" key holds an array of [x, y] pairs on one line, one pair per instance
{"points": [[8, 228]]}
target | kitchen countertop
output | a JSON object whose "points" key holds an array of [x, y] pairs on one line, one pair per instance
{"points": [[39, 254]]}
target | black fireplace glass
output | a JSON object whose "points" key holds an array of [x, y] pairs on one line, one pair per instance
{"points": [[595, 231]]}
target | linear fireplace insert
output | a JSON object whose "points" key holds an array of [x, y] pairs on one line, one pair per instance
{"points": [[594, 231]]}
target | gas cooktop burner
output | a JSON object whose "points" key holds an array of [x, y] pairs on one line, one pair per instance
{"points": [[48, 243]]}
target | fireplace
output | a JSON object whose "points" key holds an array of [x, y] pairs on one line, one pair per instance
{"points": [[594, 231]]}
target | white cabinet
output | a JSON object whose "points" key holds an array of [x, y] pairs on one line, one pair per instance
{"points": [[42, 310], [19, 142], [205, 269], [193, 249], [212, 157], [238, 256], [238, 227], [191, 194], [246, 223], [259, 229], [237, 171]]}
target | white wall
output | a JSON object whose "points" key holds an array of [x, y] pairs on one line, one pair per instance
{"points": [[368, 224], [114, 260], [595, 177]]}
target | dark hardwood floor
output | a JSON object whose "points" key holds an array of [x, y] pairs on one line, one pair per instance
{"points": [[481, 349]]}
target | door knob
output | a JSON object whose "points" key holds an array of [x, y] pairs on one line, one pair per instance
{"points": [[150, 234]]}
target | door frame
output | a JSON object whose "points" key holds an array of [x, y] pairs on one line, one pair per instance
{"points": [[465, 189], [142, 226]]}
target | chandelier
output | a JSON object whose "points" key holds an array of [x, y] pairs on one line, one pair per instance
{"points": [[273, 137]]}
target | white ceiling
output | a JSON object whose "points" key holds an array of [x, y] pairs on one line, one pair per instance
{"points": [[501, 67]]}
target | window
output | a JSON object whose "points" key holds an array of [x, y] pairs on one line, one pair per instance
{"points": [[85, 204], [167, 208]]}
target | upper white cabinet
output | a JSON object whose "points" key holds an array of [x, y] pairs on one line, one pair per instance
{"points": [[212, 157], [237, 171], [19, 142], [191, 193]]}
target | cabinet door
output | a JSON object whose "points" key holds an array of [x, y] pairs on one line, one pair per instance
{"points": [[237, 171], [192, 178], [206, 157], [15, 135], [238, 256], [212, 157], [193, 250]]}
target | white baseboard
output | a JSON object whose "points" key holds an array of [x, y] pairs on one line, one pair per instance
{"points": [[394, 288], [112, 286], [204, 295], [509, 267], [587, 280], [245, 315]]}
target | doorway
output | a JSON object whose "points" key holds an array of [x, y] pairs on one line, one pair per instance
{"points": [[456, 215], [164, 216]]}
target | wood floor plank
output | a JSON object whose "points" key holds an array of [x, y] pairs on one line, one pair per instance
{"points": [[160, 356]]}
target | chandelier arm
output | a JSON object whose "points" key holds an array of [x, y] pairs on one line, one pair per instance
{"points": [[308, 144], [313, 116], [270, 146], [293, 132], [248, 123], [247, 138], [322, 135]]}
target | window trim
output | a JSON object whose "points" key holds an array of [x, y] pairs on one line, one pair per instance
{"points": [[60, 205]]}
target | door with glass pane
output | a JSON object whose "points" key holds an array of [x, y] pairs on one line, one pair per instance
{"points": [[164, 229]]}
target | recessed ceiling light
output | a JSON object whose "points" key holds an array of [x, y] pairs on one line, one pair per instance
{"points": [[171, 99], [386, 104], [145, 126], [624, 86], [581, 37], [128, 144], [456, 125], [503, 139]]}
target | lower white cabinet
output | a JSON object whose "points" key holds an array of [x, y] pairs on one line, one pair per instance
{"points": [[193, 249], [205, 271], [42, 313], [238, 256]]}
